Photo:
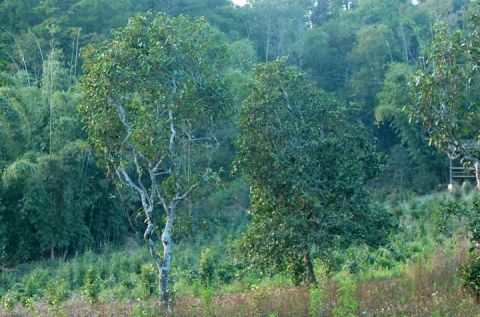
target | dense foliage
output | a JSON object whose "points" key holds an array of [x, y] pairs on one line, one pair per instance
{"points": [[307, 99], [307, 159], [447, 92], [48, 171]]}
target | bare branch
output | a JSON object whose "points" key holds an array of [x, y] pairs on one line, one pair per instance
{"points": [[157, 165], [139, 171], [285, 93], [167, 172], [182, 197], [173, 132], [179, 198], [161, 199], [123, 118]]}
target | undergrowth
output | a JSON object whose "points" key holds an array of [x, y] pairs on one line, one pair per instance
{"points": [[417, 274]]}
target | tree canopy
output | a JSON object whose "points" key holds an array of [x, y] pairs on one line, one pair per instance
{"points": [[447, 92], [308, 161]]}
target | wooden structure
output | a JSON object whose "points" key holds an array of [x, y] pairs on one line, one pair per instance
{"points": [[458, 172]]}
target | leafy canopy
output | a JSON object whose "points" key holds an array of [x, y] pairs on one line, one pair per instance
{"points": [[308, 161], [156, 75], [447, 90]]}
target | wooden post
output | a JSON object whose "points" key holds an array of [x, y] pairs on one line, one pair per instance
{"points": [[450, 185]]}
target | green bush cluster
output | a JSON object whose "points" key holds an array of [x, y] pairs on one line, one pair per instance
{"points": [[149, 280], [347, 302], [55, 293], [207, 268], [92, 285]]}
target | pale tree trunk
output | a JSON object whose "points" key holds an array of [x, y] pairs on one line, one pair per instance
{"points": [[162, 262], [268, 41], [477, 173], [164, 269]]}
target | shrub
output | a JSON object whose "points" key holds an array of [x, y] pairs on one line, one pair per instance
{"points": [[347, 303], [207, 268], [55, 293], [471, 271], [9, 300], [226, 272], [148, 280], [29, 304], [128, 281], [142, 309], [91, 287], [196, 288], [35, 283], [79, 269], [444, 214], [315, 298], [207, 300]]}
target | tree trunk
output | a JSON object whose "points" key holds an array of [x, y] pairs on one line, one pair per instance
{"points": [[477, 173], [163, 263], [52, 251], [311, 279], [164, 268]]}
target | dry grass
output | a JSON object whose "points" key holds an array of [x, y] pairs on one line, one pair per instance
{"points": [[432, 288]]}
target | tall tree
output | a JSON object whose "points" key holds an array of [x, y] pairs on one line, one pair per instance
{"points": [[307, 190], [395, 97], [152, 96]]}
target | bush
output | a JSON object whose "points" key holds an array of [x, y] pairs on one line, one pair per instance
{"points": [[9, 300], [207, 268], [445, 213], [35, 283], [207, 300], [55, 293], [347, 303], [29, 304], [471, 276], [315, 298], [91, 287], [471, 271], [142, 309], [226, 272], [148, 280]]}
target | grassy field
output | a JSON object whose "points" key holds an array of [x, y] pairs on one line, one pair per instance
{"points": [[418, 274]]}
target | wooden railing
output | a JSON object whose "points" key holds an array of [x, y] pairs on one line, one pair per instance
{"points": [[462, 172]]}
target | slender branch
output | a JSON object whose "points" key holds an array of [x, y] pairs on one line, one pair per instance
{"points": [[179, 198], [139, 171], [287, 99], [167, 172], [173, 132], [123, 118], [184, 195], [161, 199], [157, 165], [38, 45]]}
